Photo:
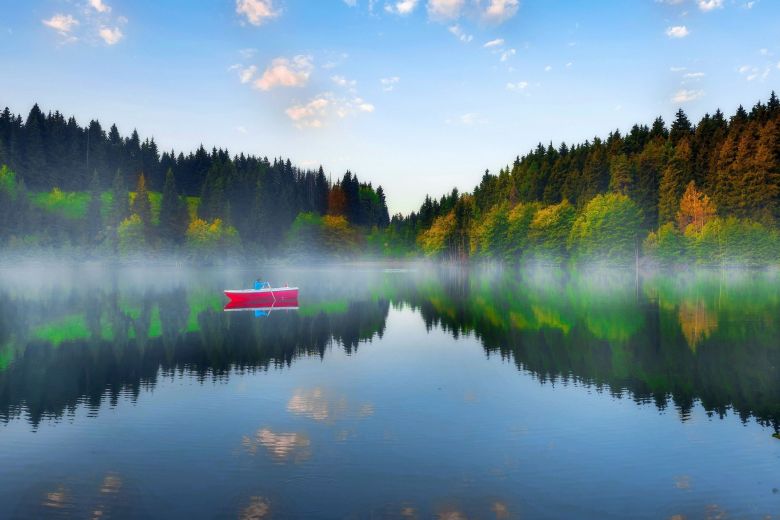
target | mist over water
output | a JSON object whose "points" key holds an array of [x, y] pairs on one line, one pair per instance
{"points": [[399, 392]]}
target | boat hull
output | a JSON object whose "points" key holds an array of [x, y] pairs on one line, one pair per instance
{"points": [[263, 295]]}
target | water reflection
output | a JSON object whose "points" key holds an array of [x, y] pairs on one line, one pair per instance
{"points": [[282, 446], [257, 509], [673, 340], [321, 405]]}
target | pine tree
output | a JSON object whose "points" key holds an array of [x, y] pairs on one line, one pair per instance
{"points": [[173, 212], [34, 165], [120, 208], [94, 222], [621, 175], [675, 178], [142, 206], [760, 185], [681, 127], [649, 169]]}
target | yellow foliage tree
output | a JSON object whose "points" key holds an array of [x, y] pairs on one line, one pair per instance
{"points": [[696, 209]]}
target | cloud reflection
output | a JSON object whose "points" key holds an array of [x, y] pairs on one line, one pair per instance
{"points": [[320, 405], [257, 509], [281, 446]]}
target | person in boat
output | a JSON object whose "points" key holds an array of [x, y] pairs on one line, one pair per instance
{"points": [[260, 284]]}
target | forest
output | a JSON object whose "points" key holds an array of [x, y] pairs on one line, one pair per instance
{"points": [[705, 193]]}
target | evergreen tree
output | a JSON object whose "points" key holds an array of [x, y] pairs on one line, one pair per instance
{"points": [[120, 206], [675, 178], [34, 152], [94, 227], [621, 175], [142, 206], [681, 128], [173, 212]]}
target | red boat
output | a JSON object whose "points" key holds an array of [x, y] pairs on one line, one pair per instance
{"points": [[262, 292]]}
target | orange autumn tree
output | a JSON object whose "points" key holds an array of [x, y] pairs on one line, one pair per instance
{"points": [[696, 209], [337, 201]]}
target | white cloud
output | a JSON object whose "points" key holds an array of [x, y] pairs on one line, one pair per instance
{"points": [[388, 84], [99, 6], [61, 23], [743, 69], [256, 11], [670, 2], [693, 75], [678, 31], [520, 85], [500, 10], [677, 69], [468, 119], [351, 3], [286, 73], [246, 75], [498, 42], [569, 64], [548, 68], [444, 9], [778, 64], [749, 5], [401, 7], [709, 5], [460, 34], [110, 36], [309, 115], [684, 96], [316, 112], [508, 54], [241, 129], [341, 81], [247, 53]]}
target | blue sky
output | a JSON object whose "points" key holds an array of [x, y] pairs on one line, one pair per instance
{"points": [[418, 96]]}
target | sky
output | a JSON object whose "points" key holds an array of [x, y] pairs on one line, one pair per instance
{"points": [[416, 95]]}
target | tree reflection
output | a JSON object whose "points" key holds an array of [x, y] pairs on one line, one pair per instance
{"points": [[672, 340]]}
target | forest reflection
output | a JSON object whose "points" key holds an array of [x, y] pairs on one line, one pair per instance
{"points": [[671, 340]]}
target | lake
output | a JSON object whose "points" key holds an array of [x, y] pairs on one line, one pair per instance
{"points": [[389, 393]]}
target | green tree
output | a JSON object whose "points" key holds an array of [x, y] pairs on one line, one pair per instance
{"points": [[94, 218], [621, 175], [607, 230], [668, 246], [120, 199], [548, 233], [173, 212], [676, 177], [142, 206]]}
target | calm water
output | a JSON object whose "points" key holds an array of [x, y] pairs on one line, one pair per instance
{"points": [[389, 394]]}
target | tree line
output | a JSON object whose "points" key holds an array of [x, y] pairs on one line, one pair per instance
{"points": [[606, 199], [252, 199], [707, 193]]}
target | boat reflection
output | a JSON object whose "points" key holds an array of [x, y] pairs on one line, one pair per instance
{"points": [[262, 309]]}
